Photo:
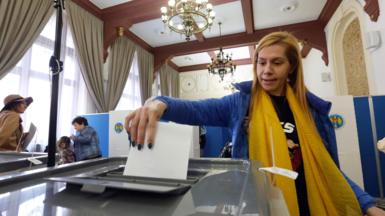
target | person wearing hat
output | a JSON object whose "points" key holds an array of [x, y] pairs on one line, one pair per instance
{"points": [[11, 129]]}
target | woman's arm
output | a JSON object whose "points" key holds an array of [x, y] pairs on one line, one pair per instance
{"points": [[215, 112]]}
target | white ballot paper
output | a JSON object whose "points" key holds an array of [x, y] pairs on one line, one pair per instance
{"points": [[169, 156]]}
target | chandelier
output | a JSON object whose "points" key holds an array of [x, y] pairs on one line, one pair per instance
{"points": [[222, 64], [188, 17]]}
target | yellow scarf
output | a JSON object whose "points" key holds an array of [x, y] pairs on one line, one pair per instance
{"points": [[328, 191]]}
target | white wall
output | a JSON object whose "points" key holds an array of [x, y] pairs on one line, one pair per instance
{"points": [[314, 67], [200, 85], [374, 59], [378, 56]]}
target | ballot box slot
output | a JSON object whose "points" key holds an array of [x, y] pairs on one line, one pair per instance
{"points": [[100, 181], [192, 176]]}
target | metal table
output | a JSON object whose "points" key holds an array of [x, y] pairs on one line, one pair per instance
{"points": [[19, 161], [97, 187]]}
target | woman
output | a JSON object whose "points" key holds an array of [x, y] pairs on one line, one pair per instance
{"points": [[11, 129], [86, 141], [277, 101]]}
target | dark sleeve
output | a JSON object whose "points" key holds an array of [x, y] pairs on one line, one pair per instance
{"points": [[211, 112]]}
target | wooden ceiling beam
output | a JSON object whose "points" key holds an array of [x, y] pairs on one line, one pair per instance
{"points": [[312, 32], [328, 11], [251, 51], [305, 50], [204, 66], [247, 9], [212, 54], [89, 6], [199, 36], [110, 35], [173, 65], [372, 8]]}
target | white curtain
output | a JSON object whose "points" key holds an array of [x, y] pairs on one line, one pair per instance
{"points": [[131, 98], [30, 77]]}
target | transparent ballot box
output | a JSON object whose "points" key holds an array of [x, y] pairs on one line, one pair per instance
{"points": [[98, 187]]}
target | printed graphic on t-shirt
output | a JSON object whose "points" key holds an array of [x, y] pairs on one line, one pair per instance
{"points": [[287, 121], [295, 154], [292, 144]]}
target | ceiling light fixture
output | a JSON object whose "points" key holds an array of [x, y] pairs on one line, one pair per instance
{"points": [[289, 7], [222, 64], [188, 17]]}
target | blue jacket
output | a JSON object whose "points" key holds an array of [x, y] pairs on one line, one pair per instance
{"points": [[86, 144], [230, 112]]}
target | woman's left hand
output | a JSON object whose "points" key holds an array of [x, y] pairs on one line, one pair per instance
{"points": [[375, 211]]}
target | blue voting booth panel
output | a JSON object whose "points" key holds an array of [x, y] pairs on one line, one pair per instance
{"points": [[216, 138], [100, 123], [379, 116], [366, 145]]}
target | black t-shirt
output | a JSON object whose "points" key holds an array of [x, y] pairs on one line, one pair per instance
{"points": [[286, 119]]}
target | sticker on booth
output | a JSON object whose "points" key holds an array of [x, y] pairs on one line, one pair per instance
{"points": [[337, 120], [118, 127]]}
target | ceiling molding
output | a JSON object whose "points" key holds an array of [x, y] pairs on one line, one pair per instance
{"points": [[311, 32], [372, 8], [328, 11], [247, 9], [90, 7], [204, 66]]}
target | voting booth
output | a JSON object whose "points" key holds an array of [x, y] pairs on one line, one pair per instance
{"points": [[359, 123]]}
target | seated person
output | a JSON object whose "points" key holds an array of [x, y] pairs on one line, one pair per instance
{"points": [[65, 150], [11, 129], [86, 141]]}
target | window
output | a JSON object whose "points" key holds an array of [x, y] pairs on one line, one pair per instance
{"points": [[130, 99], [31, 77]]}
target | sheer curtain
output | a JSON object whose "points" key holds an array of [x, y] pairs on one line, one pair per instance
{"points": [[31, 77], [131, 98]]}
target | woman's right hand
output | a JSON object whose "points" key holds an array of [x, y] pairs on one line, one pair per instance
{"points": [[142, 123]]}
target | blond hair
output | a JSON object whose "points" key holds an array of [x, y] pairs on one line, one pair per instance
{"points": [[292, 52]]}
